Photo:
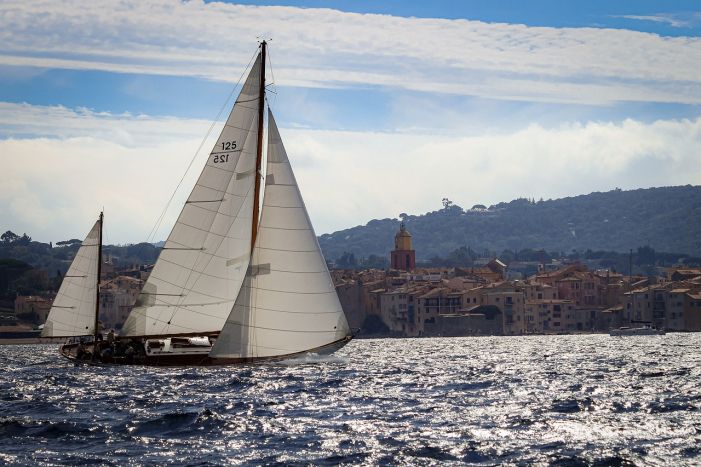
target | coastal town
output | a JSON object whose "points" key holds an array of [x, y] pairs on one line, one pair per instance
{"points": [[488, 298], [560, 298]]}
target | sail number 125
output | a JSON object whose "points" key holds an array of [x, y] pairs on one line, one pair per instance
{"points": [[225, 146]]}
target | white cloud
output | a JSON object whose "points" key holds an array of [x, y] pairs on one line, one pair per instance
{"points": [[673, 20], [123, 129], [324, 47], [53, 188]]}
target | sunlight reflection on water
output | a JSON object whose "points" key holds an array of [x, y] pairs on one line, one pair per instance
{"points": [[545, 400]]}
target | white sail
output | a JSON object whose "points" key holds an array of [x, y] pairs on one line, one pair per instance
{"points": [[199, 272], [288, 302], [73, 310]]}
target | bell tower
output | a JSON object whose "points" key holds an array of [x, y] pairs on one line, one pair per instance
{"points": [[403, 257]]}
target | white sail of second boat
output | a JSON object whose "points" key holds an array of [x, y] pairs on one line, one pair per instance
{"points": [[198, 274], [288, 303], [73, 310]]}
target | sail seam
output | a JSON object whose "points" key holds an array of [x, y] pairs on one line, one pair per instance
{"points": [[229, 125], [283, 228], [184, 288], [202, 272], [225, 152], [212, 211], [298, 272], [185, 305], [285, 249], [293, 312], [219, 190], [249, 100], [203, 252], [222, 169], [283, 207], [288, 292]]}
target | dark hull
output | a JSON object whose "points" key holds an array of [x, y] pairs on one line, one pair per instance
{"points": [[69, 351]]}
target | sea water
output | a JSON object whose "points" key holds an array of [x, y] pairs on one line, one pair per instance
{"points": [[549, 400]]}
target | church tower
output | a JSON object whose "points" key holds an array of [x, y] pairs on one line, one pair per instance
{"points": [[403, 257]]}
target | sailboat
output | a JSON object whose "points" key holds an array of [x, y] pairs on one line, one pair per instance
{"points": [[241, 277], [75, 310]]}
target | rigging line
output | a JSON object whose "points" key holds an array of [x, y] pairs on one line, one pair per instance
{"points": [[224, 106], [272, 82]]}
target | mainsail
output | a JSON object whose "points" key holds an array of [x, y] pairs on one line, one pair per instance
{"points": [[288, 302], [197, 276], [73, 310]]}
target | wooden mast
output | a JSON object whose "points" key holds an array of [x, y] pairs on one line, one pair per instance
{"points": [[97, 286], [259, 152]]}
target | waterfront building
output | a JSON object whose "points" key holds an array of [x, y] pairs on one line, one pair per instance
{"points": [[549, 316], [117, 298], [32, 308], [437, 301], [692, 312]]}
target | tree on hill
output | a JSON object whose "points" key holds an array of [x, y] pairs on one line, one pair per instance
{"points": [[347, 261], [10, 271], [9, 237], [70, 242]]}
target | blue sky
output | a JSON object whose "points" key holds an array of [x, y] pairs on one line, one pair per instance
{"points": [[555, 13], [385, 106]]}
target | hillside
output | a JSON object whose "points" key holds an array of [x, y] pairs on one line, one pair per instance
{"points": [[666, 219]]}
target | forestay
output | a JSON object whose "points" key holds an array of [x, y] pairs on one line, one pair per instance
{"points": [[199, 272], [288, 303], [73, 310]]}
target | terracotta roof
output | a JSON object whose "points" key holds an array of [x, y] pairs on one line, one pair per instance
{"points": [[433, 293]]}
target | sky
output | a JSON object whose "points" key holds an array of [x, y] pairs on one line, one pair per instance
{"points": [[384, 107]]}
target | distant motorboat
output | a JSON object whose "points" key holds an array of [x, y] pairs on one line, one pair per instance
{"points": [[646, 330]]}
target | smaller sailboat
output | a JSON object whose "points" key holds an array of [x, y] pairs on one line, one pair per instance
{"points": [[75, 310]]}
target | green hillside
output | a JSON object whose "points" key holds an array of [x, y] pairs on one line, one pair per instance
{"points": [[666, 219]]}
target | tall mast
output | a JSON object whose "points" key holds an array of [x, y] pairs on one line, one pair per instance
{"points": [[97, 287], [259, 152]]}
